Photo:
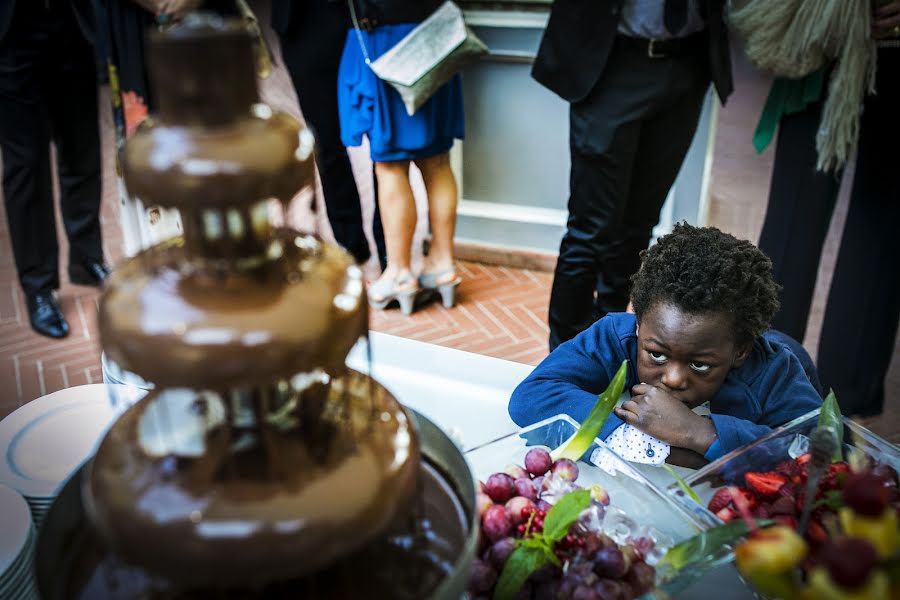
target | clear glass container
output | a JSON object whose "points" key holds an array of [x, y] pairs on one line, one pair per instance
{"points": [[643, 503], [785, 443]]}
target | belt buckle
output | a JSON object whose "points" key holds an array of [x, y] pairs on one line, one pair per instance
{"points": [[651, 50]]}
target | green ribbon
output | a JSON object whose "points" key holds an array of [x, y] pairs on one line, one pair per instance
{"points": [[787, 96]]}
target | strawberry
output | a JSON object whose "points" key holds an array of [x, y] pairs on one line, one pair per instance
{"points": [[786, 520], [720, 500], [816, 533], [839, 467], [763, 511], [803, 458], [765, 484], [788, 490], [783, 506], [752, 501], [726, 514]]}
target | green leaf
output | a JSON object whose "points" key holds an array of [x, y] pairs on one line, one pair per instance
{"points": [[578, 444], [706, 545], [565, 512], [833, 499], [683, 484], [830, 418], [521, 563]]}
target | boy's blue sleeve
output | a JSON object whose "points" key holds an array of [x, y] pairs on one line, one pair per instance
{"points": [[570, 378], [779, 395]]}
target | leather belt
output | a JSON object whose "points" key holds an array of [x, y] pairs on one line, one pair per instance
{"points": [[664, 48]]}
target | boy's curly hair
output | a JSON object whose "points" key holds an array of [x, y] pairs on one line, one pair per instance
{"points": [[703, 270]]}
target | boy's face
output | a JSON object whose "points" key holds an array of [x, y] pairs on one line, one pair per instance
{"points": [[684, 354]]}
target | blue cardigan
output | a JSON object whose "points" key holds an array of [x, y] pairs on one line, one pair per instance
{"points": [[768, 390]]}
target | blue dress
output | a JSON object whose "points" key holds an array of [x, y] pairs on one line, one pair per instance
{"points": [[370, 107]]}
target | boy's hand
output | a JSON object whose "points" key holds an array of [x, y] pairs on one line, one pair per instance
{"points": [[654, 411]]}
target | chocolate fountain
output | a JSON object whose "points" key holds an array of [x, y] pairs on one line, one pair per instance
{"points": [[260, 465]]}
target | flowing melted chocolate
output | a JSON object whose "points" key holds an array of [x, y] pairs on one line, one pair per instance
{"points": [[209, 489], [259, 465], [193, 323], [406, 563]]}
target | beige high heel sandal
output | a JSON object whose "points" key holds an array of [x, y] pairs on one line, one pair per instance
{"points": [[402, 288], [444, 281]]}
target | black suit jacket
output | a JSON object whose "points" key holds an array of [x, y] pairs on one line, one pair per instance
{"points": [[580, 34], [83, 9]]}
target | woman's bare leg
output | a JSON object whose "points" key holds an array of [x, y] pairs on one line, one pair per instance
{"points": [[398, 215], [442, 198]]}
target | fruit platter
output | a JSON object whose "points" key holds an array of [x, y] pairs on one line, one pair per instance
{"points": [[817, 503], [776, 467], [561, 528]]}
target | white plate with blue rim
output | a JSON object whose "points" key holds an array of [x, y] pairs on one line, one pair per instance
{"points": [[44, 441]]}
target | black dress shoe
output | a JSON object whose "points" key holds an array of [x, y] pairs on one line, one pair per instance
{"points": [[45, 316], [89, 273]]}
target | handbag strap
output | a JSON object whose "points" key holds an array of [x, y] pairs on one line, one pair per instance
{"points": [[362, 44]]}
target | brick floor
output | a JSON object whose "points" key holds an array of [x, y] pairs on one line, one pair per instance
{"points": [[502, 312]]}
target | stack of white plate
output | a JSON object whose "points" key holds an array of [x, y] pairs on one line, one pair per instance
{"points": [[17, 542], [44, 441]]}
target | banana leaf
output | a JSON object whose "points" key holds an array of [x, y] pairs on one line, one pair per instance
{"points": [[578, 444], [830, 418]]}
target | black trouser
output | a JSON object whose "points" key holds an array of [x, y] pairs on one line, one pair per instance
{"points": [[863, 308], [628, 138], [48, 92], [312, 54]]}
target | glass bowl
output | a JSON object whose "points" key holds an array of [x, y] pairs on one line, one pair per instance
{"points": [[784, 443], [645, 505]]}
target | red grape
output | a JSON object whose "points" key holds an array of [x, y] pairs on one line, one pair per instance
{"points": [[515, 471], [538, 461], [500, 487], [481, 577], [525, 487], [496, 523], [607, 589], [641, 577], [609, 563], [500, 551], [565, 469], [519, 509], [482, 503]]}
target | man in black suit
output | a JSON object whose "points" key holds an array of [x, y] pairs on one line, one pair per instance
{"points": [[312, 35], [635, 73], [48, 92]]}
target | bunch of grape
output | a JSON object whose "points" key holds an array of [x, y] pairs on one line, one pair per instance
{"points": [[513, 505]]}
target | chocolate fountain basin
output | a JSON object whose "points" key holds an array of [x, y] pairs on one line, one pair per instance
{"points": [[68, 550]]}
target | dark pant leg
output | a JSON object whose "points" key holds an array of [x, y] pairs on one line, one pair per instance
{"points": [[312, 54], [664, 140], [25, 147], [72, 100], [861, 318], [598, 185], [801, 202]]}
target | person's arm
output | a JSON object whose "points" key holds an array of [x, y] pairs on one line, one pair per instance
{"points": [[783, 392], [570, 378]]}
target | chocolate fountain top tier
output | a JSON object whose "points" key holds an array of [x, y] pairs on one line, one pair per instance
{"points": [[211, 143]]}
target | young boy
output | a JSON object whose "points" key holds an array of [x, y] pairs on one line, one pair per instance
{"points": [[702, 300]]}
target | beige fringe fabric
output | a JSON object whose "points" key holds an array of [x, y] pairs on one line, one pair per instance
{"points": [[793, 38]]}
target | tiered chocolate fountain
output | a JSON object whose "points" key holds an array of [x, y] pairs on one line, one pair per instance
{"points": [[259, 466]]}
